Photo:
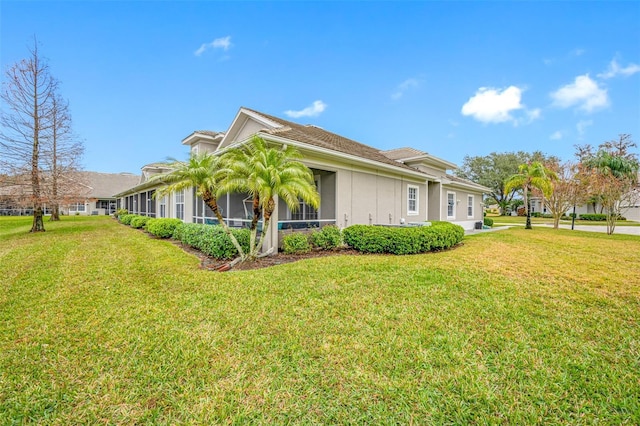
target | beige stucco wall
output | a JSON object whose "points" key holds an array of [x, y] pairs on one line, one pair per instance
{"points": [[367, 194], [249, 127], [461, 216]]}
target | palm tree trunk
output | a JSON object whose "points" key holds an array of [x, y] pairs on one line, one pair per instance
{"points": [[528, 207], [268, 211]]}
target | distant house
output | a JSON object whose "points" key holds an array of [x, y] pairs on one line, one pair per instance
{"points": [[81, 192], [97, 192], [358, 184]]}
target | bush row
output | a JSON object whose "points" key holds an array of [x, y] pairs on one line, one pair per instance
{"points": [[597, 217], [410, 240], [327, 238], [211, 239], [162, 227]]}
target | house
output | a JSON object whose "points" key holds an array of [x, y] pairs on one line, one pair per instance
{"points": [[95, 192], [80, 192], [358, 184]]}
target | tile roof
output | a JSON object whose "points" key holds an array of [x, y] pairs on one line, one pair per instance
{"points": [[209, 132], [319, 137], [106, 185], [402, 153]]}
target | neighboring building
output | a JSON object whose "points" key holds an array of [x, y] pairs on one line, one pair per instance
{"points": [[98, 192], [358, 184]]}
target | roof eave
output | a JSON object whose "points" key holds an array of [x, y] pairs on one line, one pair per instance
{"points": [[350, 157]]}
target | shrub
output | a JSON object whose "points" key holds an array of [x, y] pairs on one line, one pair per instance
{"points": [[598, 217], [211, 239], [327, 238], [488, 221], [162, 227], [139, 221], [547, 215], [536, 214], [127, 218], [404, 240], [120, 212], [593, 217], [296, 243]]}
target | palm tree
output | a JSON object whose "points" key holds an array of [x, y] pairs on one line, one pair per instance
{"points": [[529, 176], [264, 173], [203, 172]]}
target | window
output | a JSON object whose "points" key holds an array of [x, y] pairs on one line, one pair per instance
{"points": [[180, 205], [79, 207], [470, 206], [163, 206], [451, 204], [412, 200]]}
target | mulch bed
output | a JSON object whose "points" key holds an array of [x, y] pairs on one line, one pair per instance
{"points": [[213, 264]]}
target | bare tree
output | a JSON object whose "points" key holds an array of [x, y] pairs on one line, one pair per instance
{"points": [[28, 93], [612, 176], [569, 189], [61, 157]]}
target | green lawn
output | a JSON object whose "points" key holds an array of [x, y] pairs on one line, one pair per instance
{"points": [[101, 324]]}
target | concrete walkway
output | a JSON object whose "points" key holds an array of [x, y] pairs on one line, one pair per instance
{"points": [[620, 229]]}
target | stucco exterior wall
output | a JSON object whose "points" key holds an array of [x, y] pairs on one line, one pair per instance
{"points": [[248, 128], [460, 214]]}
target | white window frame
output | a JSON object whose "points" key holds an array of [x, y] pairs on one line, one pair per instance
{"points": [[416, 210], [163, 207], [452, 205], [78, 207], [470, 205], [179, 201]]}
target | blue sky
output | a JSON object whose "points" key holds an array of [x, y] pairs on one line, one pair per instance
{"points": [[449, 78]]}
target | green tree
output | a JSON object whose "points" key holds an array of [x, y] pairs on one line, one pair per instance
{"points": [[612, 176], [529, 176], [494, 169], [265, 173], [204, 172]]}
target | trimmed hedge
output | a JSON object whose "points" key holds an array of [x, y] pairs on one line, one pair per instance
{"points": [[403, 240], [597, 217], [488, 221], [139, 221], [211, 239], [162, 227], [327, 238], [296, 243], [126, 219]]}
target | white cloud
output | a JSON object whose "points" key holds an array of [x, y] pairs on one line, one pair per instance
{"points": [[583, 93], [581, 127], [403, 87], [533, 114], [615, 70], [577, 52], [223, 43], [555, 136], [491, 105], [313, 110]]}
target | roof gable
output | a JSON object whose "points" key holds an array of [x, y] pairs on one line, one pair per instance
{"points": [[316, 136]]}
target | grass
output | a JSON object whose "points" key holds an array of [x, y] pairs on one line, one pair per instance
{"points": [[99, 323]]}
